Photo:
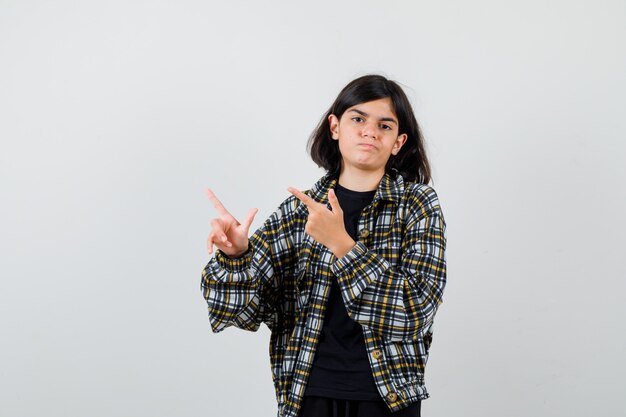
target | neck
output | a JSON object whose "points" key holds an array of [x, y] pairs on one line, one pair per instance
{"points": [[359, 180]]}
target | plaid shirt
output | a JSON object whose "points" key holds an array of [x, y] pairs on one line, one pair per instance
{"points": [[391, 281]]}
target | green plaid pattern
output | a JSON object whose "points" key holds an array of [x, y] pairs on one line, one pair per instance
{"points": [[391, 281]]}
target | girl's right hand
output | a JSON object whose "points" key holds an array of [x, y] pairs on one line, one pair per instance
{"points": [[227, 234]]}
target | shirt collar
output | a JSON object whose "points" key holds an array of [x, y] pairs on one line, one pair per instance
{"points": [[389, 189]]}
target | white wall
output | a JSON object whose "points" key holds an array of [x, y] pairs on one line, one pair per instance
{"points": [[115, 116]]}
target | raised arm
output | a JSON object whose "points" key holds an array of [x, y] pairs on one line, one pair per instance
{"points": [[243, 291], [399, 302]]}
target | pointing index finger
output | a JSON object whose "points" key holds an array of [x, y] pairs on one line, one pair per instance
{"points": [[216, 202], [302, 197]]}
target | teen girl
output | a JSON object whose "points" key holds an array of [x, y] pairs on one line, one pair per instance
{"points": [[347, 275]]}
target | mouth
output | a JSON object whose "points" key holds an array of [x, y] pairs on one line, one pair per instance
{"points": [[367, 146]]}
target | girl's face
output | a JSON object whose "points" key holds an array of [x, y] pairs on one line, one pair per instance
{"points": [[367, 134]]}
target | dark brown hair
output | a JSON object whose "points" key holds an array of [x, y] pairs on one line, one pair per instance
{"points": [[411, 162]]}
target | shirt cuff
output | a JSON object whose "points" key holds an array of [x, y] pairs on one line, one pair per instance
{"points": [[359, 257], [234, 264]]}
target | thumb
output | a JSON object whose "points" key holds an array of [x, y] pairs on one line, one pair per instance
{"points": [[334, 202], [250, 218]]}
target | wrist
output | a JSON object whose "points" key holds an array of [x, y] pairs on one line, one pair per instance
{"points": [[343, 247], [238, 254]]}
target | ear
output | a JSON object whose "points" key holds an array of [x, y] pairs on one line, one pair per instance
{"points": [[334, 126], [399, 142]]}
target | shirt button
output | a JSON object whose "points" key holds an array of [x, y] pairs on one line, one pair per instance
{"points": [[377, 354], [392, 397], [364, 233]]}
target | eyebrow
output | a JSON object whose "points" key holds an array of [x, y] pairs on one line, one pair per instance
{"points": [[382, 119]]}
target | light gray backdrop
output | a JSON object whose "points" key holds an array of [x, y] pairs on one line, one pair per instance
{"points": [[115, 116]]}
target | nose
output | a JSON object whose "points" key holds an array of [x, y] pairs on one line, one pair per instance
{"points": [[369, 130]]}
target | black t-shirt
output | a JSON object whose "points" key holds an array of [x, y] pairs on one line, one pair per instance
{"points": [[341, 367]]}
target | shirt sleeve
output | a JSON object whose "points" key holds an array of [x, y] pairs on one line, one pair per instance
{"points": [[243, 292], [399, 302]]}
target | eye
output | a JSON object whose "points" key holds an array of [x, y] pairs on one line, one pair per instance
{"points": [[357, 117], [386, 127]]}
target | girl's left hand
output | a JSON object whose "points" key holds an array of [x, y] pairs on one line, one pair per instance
{"points": [[325, 226]]}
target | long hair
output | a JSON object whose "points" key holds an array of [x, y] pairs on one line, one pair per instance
{"points": [[411, 162]]}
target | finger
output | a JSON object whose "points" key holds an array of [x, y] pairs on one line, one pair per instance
{"points": [[302, 197], [216, 202], [211, 240], [334, 202], [223, 240], [213, 237], [250, 218], [218, 226], [218, 233]]}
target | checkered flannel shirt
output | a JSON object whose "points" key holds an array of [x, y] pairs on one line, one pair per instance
{"points": [[391, 281]]}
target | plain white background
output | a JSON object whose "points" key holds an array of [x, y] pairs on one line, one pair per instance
{"points": [[115, 116]]}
